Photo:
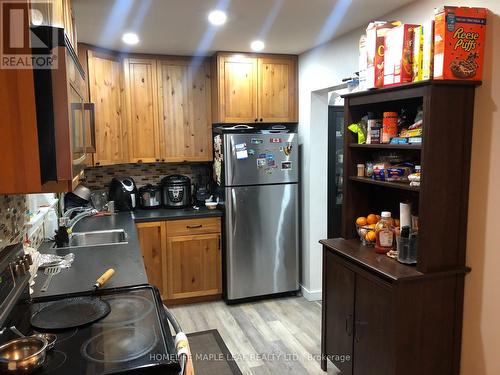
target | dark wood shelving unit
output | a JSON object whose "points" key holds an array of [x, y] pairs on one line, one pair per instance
{"points": [[388, 184], [387, 146], [390, 317]]}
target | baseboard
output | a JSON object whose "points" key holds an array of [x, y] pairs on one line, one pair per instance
{"points": [[314, 295]]}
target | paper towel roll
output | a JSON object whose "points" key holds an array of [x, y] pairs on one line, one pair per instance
{"points": [[405, 214]]}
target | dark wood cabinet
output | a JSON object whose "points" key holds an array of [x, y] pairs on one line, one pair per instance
{"points": [[388, 317]]}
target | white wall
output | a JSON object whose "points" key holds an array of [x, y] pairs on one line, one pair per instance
{"points": [[325, 67]]}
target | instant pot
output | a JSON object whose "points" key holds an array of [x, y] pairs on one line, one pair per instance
{"points": [[150, 196], [176, 191]]}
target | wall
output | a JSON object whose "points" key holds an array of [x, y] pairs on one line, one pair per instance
{"points": [[324, 67], [100, 177], [12, 219]]}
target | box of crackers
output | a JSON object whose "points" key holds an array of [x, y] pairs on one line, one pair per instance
{"points": [[459, 39]]}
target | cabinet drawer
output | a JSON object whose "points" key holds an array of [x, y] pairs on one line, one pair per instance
{"points": [[193, 226]]}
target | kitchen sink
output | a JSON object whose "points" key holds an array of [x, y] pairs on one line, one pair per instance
{"points": [[98, 238]]}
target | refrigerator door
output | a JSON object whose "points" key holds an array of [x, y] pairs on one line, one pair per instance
{"points": [[257, 159], [261, 232]]}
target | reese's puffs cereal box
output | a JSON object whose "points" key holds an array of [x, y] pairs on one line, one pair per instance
{"points": [[459, 38]]}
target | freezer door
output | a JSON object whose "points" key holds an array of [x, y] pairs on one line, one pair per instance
{"points": [[256, 159], [261, 232]]}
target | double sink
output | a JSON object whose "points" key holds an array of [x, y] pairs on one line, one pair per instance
{"points": [[98, 238]]}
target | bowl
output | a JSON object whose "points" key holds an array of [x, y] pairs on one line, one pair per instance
{"points": [[362, 230], [211, 205], [23, 355]]}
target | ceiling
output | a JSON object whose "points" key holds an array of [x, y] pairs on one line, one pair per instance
{"points": [[180, 27]]}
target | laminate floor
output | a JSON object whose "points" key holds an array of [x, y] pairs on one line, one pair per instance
{"points": [[275, 336]]}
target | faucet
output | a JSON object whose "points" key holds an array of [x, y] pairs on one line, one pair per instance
{"points": [[85, 212]]}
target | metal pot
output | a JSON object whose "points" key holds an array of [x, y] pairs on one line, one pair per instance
{"points": [[150, 196], [23, 355], [176, 191]]}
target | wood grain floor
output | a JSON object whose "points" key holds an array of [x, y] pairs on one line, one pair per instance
{"points": [[275, 336]]}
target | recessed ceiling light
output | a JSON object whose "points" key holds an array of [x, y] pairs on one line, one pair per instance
{"points": [[217, 17], [257, 45], [130, 38]]}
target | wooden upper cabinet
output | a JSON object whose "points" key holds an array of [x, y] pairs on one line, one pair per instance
{"points": [[250, 89], [184, 110], [277, 96], [142, 109], [107, 94], [237, 90]]}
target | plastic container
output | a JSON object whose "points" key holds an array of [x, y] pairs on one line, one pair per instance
{"points": [[407, 249], [384, 232]]}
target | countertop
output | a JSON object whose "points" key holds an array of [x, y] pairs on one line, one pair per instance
{"points": [[126, 258]]}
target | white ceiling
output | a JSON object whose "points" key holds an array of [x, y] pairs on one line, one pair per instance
{"points": [[180, 27]]}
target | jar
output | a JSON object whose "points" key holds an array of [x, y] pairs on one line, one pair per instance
{"points": [[389, 126], [361, 170], [384, 234]]}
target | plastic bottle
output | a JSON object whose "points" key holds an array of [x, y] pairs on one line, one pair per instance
{"points": [[384, 231]]}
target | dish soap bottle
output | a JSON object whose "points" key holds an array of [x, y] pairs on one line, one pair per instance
{"points": [[384, 233]]}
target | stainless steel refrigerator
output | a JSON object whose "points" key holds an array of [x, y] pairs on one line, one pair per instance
{"points": [[257, 171]]}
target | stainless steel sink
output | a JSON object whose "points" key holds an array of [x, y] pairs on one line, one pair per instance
{"points": [[98, 238]]}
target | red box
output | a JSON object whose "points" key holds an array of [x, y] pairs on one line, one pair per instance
{"points": [[375, 36], [459, 39], [398, 64]]}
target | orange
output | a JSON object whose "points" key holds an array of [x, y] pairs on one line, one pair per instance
{"points": [[372, 226], [370, 236], [396, 222], [372, 219], [361, 220]]}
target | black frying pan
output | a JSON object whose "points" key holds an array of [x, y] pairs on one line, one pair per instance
{"points": [[73, 312]]}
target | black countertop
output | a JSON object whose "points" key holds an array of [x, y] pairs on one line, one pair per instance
{"points": [[126, 258]]}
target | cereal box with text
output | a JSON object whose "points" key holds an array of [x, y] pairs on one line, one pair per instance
{"points": [[459, 39], [398, 55]]}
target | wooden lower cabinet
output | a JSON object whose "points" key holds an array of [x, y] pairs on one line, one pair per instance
{"points": [[184, 266], [371, 325], [194, 266], [152, 238]]}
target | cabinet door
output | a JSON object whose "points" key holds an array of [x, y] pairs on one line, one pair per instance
{"points": [[185, 111], [142, 108], [238, 89], [194, 266], [106, 92], [338, 313], [277, 90], [373, 337], [152, 239]]}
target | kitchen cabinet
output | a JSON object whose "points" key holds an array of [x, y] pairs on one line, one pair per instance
{"points": [[194, 266], [142, 110], [254, 88], [183, 258], [107, 93], [152, 239], [184, 110]]}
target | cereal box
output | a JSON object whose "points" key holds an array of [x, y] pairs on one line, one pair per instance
{"points": [[398, 56], [428, 50], [459, 38], [418, 52], [375, 36]]}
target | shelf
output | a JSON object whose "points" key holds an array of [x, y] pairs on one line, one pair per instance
{"points": [[414, 146], [366, 257], [393, 185]]}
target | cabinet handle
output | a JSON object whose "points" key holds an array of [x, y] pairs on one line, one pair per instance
{"points": [[348, 325], [261, 120], [194, 226], [357, 329], [256, 120], [157, 160]]}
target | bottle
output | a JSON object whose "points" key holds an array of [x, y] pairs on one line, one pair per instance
{"points": [[384, 234]]}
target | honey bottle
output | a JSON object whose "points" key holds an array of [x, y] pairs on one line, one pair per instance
{"points": [[384, 233]]}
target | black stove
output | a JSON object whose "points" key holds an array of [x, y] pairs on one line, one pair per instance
{"points": [[134, 337]]}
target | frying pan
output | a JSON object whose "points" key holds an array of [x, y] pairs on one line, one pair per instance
{"points": [[73, 312]]}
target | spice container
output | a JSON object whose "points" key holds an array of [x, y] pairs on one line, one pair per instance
{"points": [[389, 126], [361, 170], [384, 232]]}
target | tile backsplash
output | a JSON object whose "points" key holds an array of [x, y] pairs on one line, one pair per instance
{"points": [[143, 174], [12, 218]]}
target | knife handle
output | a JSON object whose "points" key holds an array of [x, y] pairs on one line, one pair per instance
{"points": [[104, 278]]}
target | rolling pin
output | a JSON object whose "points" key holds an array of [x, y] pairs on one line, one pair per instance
{"points": [[104, 278]]}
